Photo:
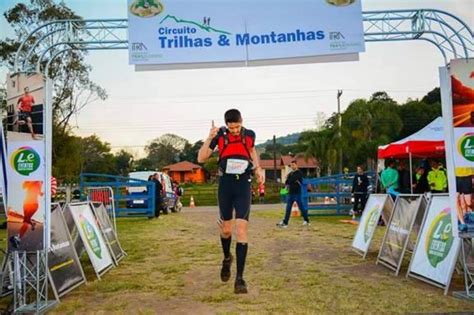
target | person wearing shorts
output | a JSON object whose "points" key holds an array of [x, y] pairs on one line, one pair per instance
{"points": [[238, 159], [464, 191], [25, 105]]}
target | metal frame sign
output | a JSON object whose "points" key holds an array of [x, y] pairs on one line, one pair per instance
{"points": [[377, 205], [108, 231], [209, 33], [397, 237], [63, 263], [437, 250], [91, 236], [457, 96], [28, 199]]}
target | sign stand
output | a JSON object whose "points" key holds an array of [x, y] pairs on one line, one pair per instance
{"points": [[411, 272], [467, 257], [395, 227], [369, 222]]}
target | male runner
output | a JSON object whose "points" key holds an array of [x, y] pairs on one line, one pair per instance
{"points": [[25, 104], [237, 159]]}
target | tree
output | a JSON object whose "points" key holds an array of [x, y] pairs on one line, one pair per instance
{"points": [[266, 156], [190, 152], [165, 150], [123, 162], [73, 89], [68, 157], [415, 115], [433, 97], [97, 156]]}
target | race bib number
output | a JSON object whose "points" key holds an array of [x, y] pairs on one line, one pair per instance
{"points": [[236, 166]]}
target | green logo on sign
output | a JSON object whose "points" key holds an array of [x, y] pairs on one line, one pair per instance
{"points": [[371, 222], [466, 146], [91, 237], [439, 238], [25, 160]]}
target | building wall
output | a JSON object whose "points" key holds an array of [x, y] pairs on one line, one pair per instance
{"points": [[198, 176]]}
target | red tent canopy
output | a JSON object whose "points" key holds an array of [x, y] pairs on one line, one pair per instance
{"points": [[427, 142]]}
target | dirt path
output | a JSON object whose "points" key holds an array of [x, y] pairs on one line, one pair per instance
{"points": [[173, 268]]}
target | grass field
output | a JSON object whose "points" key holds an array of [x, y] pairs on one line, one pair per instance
{"points": [[173, 266]]}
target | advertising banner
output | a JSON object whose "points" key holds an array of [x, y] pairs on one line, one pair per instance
{"points": [[108, 231], [177, 32], [375, 206], [26, 163], [63, 263], [91, 236], [399, 230], [3, 166], [437, 249], [457, 92]]}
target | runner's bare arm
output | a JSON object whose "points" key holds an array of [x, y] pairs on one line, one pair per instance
{"points": [[256, 163], [205, 152]]}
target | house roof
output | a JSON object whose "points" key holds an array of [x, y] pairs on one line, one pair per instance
{"points": [[300, 160], [285, 161], [269, 164], [184, 166]]}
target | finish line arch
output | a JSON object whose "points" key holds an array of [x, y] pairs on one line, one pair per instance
{"points": [[452, 37]]}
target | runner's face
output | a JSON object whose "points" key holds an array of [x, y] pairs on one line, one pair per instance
{"points": [[234, 128]]}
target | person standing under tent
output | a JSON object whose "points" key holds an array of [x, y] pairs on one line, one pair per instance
{"points": [[420, 181], [403, 178], [389, 179], [360, 187], [294, 181], [437, 178], [238, 158]]}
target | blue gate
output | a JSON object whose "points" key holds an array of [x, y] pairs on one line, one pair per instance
{"points": [[331, 195], [141, 202]]}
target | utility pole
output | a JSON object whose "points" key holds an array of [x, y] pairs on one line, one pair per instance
{"points": [[339, 128], [274, 159]]}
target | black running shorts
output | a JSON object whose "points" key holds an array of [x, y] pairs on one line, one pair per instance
{"points": [[234, 193], [464, 184]]}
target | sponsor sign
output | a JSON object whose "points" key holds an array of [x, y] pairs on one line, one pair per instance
{"points": [[63, 263], [27, 195], [375, 206], [91, 236], [407, 209], [174, 32], [457, 96], [437, 248]]}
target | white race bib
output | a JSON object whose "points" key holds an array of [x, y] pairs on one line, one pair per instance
{"points": [[236, 166]]}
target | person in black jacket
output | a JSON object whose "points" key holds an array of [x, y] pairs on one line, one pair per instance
{"points": [[294, 181], [403, 178], [360, 186], [420, 181], [158, 189]]}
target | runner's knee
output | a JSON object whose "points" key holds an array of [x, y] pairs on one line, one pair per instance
{"points": [[226, 230]]}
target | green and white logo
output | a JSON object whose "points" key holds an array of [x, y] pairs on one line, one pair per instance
{"points": [[25, 160], [91, 237], [439, 238], [371, 222], [466, 146]]}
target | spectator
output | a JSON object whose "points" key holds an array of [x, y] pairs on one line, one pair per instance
{"points": [[389, 179], [158, 189], [437, 178], [359, 190], [420, 181], [295, 183], [403, 178]]}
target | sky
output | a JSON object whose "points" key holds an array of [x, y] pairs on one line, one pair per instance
{"points": [[274, 100]]}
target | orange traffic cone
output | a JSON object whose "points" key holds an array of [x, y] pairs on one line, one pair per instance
{"points": [[191, 202], [295, 212]]}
